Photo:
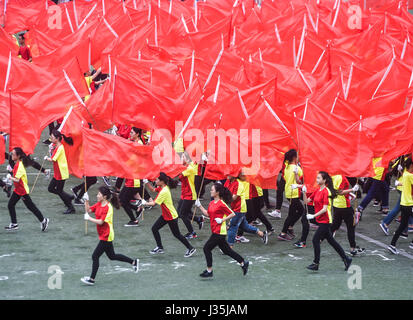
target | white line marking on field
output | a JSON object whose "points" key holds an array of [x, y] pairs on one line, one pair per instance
{"points": [[178, 265], [30, 272], [7, 255], [294, 257], [3, 278]]}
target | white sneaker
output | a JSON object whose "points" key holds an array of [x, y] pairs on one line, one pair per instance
{"points": [[275, 214], [136, 266], [242, 239], [47, 173], [88, 281]]}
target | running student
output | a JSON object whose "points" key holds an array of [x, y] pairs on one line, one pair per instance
{"points": [[103, 210], [239, 207], [293, 175], [169, 215], [60, 169], [219, 212], [21, 191], [188, 197], [342, 210], [406, 205], [323, 198], [132, 188]]}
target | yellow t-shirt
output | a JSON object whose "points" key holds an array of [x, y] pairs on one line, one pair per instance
{"points": [[289, 177], [407, 180], [378, 171]]}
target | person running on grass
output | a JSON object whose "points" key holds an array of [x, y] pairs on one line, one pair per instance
{"points": [[21, 191], [342, 210], [406, 205], [323, 198], [239, 207], [60, 169], [219, 211], [103, 210], [188, 197], [293, 175], [169, 215]]}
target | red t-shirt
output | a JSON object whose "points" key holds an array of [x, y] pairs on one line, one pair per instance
{"points": [[253, 191], [124, 131], [322, 198], [25, 53], [233, 187], [218, 210], [105, 231]]}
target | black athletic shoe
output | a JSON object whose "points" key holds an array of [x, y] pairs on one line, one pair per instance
{"points": [[189, 252], [136, 265], [132, 224], [404, 235], [291, 233], [347, 263], [45, 224], [12, 226], [190, 236], [70, 211], [87, 281], [206, 274], [358, 251], [245, 267], [300, 244], [156, 250], [313, 267], [265, 237]]}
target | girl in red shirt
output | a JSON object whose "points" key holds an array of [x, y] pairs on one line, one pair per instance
{"points": [[323, 198], [219, 211], [103, 210]]}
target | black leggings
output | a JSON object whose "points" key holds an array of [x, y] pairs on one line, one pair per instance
{"points": [[173, 225], [280, 193], [106, 247], [126, 195], [119, 182], [27, 202], [80, 188], [406, 212], [185, 213], [254, 212], [324, 232], [295, 212], [56, 187], [346, 214], [220, 241]]}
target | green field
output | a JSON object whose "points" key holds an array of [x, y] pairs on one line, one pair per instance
{"points": [[277, 270]]}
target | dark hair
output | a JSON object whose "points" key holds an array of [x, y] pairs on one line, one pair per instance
{"points": [[224, 193], [59, 136], [290, 155], [329, 183], [22, 156], [139, 132], [171, 183], [408, 163], [110, 196], [22, 36]]}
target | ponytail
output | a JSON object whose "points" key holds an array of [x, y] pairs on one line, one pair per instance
{"points": [[224, 193], [329, 183], [23, 157], [110, 196], [171, 183], [60, 136]]}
